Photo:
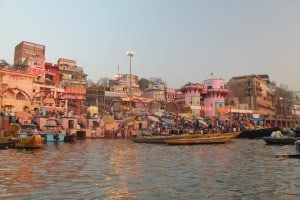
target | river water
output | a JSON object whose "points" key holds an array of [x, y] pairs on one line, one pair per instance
{"points": [[121, 169]]}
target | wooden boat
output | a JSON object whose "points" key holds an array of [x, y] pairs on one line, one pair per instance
{"points": [[280, 141], [163, 139], [29, 141], [70, 138], [231, 135], [200, 140], [11, 131], [257, 133], [260, 133], [28, 138], [160, 139], [51, 133], [5, 142]]}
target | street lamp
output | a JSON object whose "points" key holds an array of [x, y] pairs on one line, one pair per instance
{"points": [[281, 106], [130, 54]]}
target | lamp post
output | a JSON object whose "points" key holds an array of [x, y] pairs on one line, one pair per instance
{"points": [[281, 106], [130, 54]]}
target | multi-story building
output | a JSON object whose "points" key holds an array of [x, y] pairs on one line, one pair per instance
{"points": [[157, 92], [31, 55], [193, 94], [122, 84], [16, 90], [214, 98], [74, 82], [256, 91], [170, 94], [53, 75]]}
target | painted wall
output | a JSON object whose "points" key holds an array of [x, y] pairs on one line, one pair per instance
{"points": [[214, 101]]}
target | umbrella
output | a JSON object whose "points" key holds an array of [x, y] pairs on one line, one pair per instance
{"points": [[159, 113], [92, 110], [167, 121], [153, 119], [202, 122], [108, 119], [128, 120], [24, 115]]}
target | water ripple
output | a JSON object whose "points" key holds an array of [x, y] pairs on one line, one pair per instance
{"points": [[121, 169]]}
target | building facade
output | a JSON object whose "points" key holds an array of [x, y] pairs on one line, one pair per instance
{"points": [[16, 90], [74, 82], [256, 91], [214, 98], [193, 96]]}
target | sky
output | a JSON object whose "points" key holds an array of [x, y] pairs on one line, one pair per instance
{"points": [[179, 41]]}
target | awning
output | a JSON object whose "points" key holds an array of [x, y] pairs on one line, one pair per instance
{"points": [[92, 110], [24, 115], [128, 120], [108, 119]]}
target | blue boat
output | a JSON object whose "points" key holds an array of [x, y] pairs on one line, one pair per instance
{"points": [[51, 133]]}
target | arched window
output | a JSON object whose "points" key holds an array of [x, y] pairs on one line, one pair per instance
{"points": [[20, 96]]}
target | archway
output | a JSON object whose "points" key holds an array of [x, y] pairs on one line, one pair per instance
{"points": [[18, 92]]}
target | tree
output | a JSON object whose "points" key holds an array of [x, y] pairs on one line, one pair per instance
{"points": [[103, 82], [144, 84], [157, 81]]}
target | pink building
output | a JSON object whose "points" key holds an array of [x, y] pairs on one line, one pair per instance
{"points": [[193, 95], [214, 99]]}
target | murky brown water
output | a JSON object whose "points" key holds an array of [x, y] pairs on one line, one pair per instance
{"points": [[121, 169]]}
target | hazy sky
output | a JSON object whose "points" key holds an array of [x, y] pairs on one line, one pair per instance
{"points": [[179, 41]]}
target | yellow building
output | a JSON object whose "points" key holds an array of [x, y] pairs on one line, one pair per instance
{"points": [[16, 89]]}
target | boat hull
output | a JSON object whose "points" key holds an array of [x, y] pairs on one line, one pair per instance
{"points": [[29, 142], [162, 139], [205, 140], [6, 142], [280, 141], [53, 137], [70, 138]]}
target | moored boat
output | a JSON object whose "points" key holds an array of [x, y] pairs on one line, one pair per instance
{"points": [[200, 140], [160, 139], [10, 132], [5, 143], [286, 140], [70, 138], [51, 133], [257, 133], [278, 138], [163, 139], [28, 138]]}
